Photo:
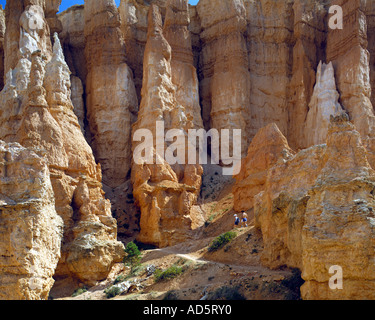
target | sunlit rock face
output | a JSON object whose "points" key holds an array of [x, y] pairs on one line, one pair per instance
{"points": [[37, 112], [79, 85], [165, 193], [324, 104], [339, 220], [31, 229]]}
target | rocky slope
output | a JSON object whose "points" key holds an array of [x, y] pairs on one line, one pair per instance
{"points": [[80, 87]]}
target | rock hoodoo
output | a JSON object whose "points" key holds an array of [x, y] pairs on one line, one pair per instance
{"points": [[37, 93], [83, 90], [165, 193]]}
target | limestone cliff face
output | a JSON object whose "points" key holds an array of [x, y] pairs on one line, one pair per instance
{"points": [[30, 228], [339, 218], [351, 60], [36, 99], [224, 69], [266, 149], [111, 103], [273, 69], [269, 43], [314, 208], [111, 100]]}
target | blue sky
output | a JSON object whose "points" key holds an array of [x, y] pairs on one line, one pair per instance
{"points": [[68, 3]]}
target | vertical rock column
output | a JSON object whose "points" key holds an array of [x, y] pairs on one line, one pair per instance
{"points": [[270, 43], [165, 193], [111, 99], [339, 223], [112, 105], [347, 49], [36, 98], [17, 15], [23, 37], [73, 41], [50, 125], [309, 37], [184, 74], [370, 14], [324, 104], [224, 68], [133, 15], [2, 34]]}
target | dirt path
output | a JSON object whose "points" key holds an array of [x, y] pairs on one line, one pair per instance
{"points": [[204, 273], [234, 269], [197, 258]]}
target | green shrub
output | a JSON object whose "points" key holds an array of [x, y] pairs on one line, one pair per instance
{"points": [[112, 292], [79, 291], [222, 240], [133, 255], [119, 279], [170, 273]]}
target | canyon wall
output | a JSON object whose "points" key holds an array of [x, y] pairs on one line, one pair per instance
{"points": [[348, 51], [341, 197], [316, 213], [38, 113], [110, 93], [309, 43], [111, 99], [255, 63], [275, 70], [224, 70], [273, 55], [370, 17], [269, 42]]}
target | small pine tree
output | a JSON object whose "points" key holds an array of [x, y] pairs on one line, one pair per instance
{"points": [[133, 255]]}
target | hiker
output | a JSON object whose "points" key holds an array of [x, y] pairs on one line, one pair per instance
{"points": [[236, 220], [244, 219]]}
